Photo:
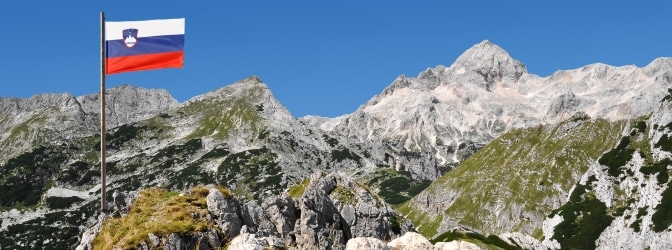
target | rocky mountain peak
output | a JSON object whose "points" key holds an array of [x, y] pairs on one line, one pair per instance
{"points": [[249, 84], [490, 61]]}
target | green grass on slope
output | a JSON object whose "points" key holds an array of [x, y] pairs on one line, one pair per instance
{"points": [[394, 186], [297, 190], [221, 117], [531, 169], [156, 211], [585, 217]]}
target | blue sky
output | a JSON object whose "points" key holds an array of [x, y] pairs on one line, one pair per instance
{"points": [[321, 57]]}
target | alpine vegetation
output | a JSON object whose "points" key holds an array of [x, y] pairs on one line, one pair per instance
{"points": [[478, 154]]}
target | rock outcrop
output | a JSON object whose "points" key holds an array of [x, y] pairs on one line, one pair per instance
{"points": [[331, 211], [334, 209]]}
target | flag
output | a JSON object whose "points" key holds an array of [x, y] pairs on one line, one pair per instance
{"points": [[144, 45]]}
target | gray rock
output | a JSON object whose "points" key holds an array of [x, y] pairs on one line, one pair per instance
{"points": [[119, 200], [283, 214], [213, 238], [334, 210], [349, 214], [227, 212], [276, 243], [89, 234], [254, 217], [154, 240], [246, 241], [175, 242], [319, 224], [143, 246]]}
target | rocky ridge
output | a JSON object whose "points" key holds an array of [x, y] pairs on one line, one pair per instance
{"points": [[45, 118], [429, 123]]}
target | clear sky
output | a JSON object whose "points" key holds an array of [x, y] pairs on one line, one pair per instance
{"points": [[321, 57]]}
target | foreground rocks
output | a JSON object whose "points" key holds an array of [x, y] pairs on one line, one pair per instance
{"points": [[331, 211]]}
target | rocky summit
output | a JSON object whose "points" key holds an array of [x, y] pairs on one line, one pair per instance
{"points": [[429, 123], [478, 154]]}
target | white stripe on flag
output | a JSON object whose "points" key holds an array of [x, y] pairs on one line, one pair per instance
{"points": [[159, 27]]}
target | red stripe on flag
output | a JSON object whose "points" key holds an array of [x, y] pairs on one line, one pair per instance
{"points": [[144, 62]]}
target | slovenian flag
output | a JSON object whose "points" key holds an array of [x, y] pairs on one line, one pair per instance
{"points": [[144, 45]]}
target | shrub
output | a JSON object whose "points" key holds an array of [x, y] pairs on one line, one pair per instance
{"points": [[392, 197], [25, 177], [169, 152], [396, 184], [660, 168], [665, 143], [62, 202], [343, 153], [331, 141], [395, 224], [584, 221], [617, 157], [662, 218], [417, 187], [123, 134]]}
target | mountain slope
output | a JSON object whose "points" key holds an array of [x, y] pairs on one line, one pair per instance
{"points": [[515, 181], [624, 199]]}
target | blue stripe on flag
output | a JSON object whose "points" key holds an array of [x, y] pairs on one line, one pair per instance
{"points": [[146, 45]]}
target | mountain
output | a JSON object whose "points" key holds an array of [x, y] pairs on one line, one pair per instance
{"points": [[238, 136], [25, 123], [584, 183], [480, 151], [428, 124]]}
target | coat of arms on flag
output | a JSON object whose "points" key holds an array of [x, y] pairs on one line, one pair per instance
{"points": [[130, 37]]}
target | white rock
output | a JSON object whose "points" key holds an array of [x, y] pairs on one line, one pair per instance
{"points": [[456, 245], [411, 240], [366, 243]]}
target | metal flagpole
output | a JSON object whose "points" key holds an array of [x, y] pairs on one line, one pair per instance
{"points": [[103, 204]]}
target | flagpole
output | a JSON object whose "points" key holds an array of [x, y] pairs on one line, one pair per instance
{"points": [[103, 204]]}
